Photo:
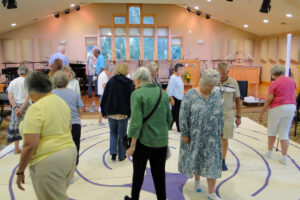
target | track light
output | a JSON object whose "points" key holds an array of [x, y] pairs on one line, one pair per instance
{"points": [[230, 0], [198, 12], [207, 16], [56, 15], [67, 11], [77, 8], [265, 6], [188, 9], [11, 4]]}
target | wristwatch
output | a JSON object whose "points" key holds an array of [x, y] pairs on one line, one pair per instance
{"points": [[20, 173]]}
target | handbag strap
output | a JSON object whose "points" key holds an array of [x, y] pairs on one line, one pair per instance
{"points": [[155, 107]]}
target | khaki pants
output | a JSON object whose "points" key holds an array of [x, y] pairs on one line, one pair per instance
{"points": [[51, 176]]}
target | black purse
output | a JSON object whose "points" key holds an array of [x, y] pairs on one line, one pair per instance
{"points": [[127, 141]]}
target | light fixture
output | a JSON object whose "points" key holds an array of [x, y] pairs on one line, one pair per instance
{"points": [[265, 6], [207, 16], [246, 26], [188, 9], [198, 12], [67, 11], [13, 24], [289, 15], [230, 0], [56, 15], [9, 4], [266, 21], [208, 0], [196, 7], [72, 5], [77, 8]]}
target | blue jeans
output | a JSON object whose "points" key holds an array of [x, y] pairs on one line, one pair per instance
{"points": [[90, 85], [118, 129]]}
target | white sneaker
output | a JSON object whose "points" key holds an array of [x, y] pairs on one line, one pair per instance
{"points": [[213, 196], [268, 154], [283, 160], [101, 124], [73, 179], [197, 186]]}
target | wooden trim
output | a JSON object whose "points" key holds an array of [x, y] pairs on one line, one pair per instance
{"points": [[149, 15], [267, 83]]}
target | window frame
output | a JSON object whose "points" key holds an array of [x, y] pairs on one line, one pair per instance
{"points": [[182, 45], [85, 45], [112, 38], [120, 15], [149, 15], [141, 13], [169, 41]]}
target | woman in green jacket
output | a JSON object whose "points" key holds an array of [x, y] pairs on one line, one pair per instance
{"points": [[149, 139]]}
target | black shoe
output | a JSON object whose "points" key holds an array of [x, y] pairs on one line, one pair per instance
{"points": [[122, 158], [224, 166], [127, 198], [113, 156]]}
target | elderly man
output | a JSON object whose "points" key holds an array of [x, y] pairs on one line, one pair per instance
{"points": [[230, 92], [100, 63], [91, 71], [60, 54]]}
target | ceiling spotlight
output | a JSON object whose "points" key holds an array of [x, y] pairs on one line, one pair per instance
{"points": [[266, 21], [265, 6], [72, 5], [13, 24], [289, 15], [196, 7], [188, 9], [230, 0], [198, 12], [56, 15], [208, 0], [9, 4], [246, 26], [67, 11], [77, 8], [207, 16]]}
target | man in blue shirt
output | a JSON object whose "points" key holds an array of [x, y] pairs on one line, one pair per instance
{"points": [[100, 63], [60, 55]]}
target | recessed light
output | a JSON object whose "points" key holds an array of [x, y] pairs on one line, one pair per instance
{"points": [[196, 7], [13, 24], [208, 0], [266, 21], [72, 5], [246, 25], [289, 15]]}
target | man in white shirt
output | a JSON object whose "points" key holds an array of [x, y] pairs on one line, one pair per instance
{"points": [[102, 80], [60, 55]]}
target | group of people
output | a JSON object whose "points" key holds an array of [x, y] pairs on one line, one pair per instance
{"points": [[204, 117]]}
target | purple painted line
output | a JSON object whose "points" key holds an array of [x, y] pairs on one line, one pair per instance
{"points": [[6, 154], [11, 192], [238, 165], [267, 165], [103, 160], [96, 129], [261, 133], [89, 137], [247, 136]]}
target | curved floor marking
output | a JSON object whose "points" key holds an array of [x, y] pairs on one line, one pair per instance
{"points": [[267, 165], [247, 136], [6, 154], [104, 161], [238, 165], [11, 192]]}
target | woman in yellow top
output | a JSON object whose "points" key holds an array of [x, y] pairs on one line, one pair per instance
{"points": [[48, 146]]}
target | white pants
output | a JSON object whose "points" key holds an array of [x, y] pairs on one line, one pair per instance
{"points": [[280, 119]]}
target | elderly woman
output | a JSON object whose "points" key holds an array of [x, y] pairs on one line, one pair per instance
{"points": [[59, 83], [153, 68], [115, 105], [175, 91], [57, 65], [73, 82], [281, 102], [150, 137], [18, 99], [201, 122], [48, 146]]}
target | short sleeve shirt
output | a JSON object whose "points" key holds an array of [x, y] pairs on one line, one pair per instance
{"points": [[49, 117], [61, 56], [229, 91], [102, 79], [16, 87], [91, 65]]}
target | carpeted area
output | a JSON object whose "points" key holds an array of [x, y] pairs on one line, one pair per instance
{"points": [[250, 175]]}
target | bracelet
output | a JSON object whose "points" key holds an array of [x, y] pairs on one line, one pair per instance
{"points": [[20, 173], [238, 116]]}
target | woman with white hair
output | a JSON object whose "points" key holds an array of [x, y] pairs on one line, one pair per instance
{"points": [[19, 100], [73, 82], [201, 122], [281, 102], [153, 68], [150, 121]]}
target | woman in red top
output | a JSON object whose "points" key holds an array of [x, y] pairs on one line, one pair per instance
{"points": [[281, 102]]}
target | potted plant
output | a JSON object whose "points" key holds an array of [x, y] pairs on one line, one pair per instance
{"points": [[186, 77]]}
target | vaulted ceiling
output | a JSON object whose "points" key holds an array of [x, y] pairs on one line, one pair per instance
{"points": [[236, 13]]}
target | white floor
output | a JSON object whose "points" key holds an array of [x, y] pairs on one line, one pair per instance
{"points": [[250, 175]]}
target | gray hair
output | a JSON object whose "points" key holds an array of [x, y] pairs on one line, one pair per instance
{"points": [[223, 66], [152, 67], [108, 67], [59, 80], [142, 74], [60, 48], [69, 69], [209, 76], [277, 70], [37, 82], [96, 51], [23, 70]]}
